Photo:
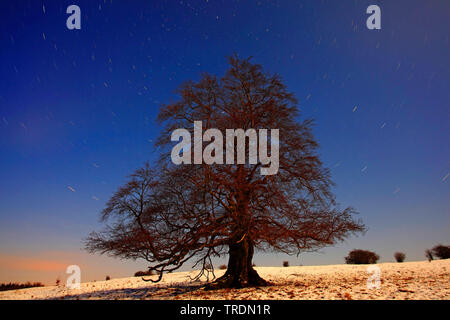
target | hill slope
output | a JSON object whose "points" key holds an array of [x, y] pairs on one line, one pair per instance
{"points": [[408, 280]]}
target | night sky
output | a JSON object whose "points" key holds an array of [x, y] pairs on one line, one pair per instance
{"points": [[78, 108]]}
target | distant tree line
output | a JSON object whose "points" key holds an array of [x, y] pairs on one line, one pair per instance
{"points": [[360, 256], [15, 285]]}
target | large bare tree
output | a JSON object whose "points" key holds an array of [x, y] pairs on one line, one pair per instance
{"points": [[168, 214]]}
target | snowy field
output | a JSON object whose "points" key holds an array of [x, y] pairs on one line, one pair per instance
{"points": [[408, 280]]}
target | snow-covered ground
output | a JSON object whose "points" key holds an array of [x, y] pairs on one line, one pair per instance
{"points": [[408, 280]]}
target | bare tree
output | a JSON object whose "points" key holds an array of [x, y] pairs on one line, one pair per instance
{"points": [[171, 213]]}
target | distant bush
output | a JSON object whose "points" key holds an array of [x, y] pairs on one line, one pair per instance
{"points": [[441, 251], [285, 263], [399, 256], [223, 267], [15, 285], [429, 255], [253, 265], [358, 256], [108, 278], [209, 266], [144, 273]]}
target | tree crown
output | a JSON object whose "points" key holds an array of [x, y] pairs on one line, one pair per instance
{"points": [[170, 213]]}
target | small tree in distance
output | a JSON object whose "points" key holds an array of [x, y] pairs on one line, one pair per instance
{"points": [[441, 251], [359, 256], [399, 256], [168, 214], [144, 273]]}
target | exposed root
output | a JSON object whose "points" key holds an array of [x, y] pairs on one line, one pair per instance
{"points": [[233, 281]]}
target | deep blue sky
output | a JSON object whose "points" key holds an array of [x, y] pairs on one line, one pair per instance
{"points": [[78, 107]]}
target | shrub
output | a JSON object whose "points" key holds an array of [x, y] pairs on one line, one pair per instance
{"points": [[429, 255], [209, 266], [223, 267], [15, 285], [144, 273], [441, 251], [399, 256], [108, 278], [285, 263], [358, 256]]}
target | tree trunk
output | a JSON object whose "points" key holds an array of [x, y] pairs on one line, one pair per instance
{"points": [[240, 272]]}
